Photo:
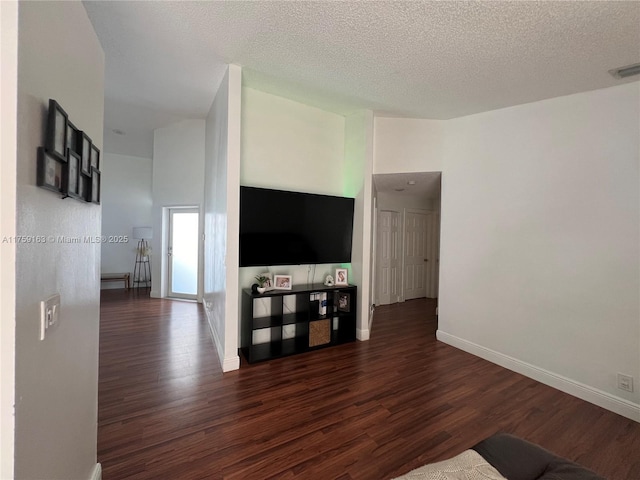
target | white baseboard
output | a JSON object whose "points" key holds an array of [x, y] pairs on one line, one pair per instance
{"points": [[96, 474], [214, 337], [362, 334], [231, 363], [585, 392], [227, 364]]}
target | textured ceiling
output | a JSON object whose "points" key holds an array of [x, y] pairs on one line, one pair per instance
{"points": [[424, 185], [420, 59], [424, 59]]}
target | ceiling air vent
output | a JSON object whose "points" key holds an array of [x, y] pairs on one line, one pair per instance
{"points": [[628, 71]]}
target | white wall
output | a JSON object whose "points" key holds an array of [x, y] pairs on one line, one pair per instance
{"points": [[222, 212], [56, 390], [177, 180], [358, 160], [8, 138], [407, 145], [541, 238], [287, 145], [126, 203]]}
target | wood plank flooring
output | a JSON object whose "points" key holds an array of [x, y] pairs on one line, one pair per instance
{"points": [[366, 410]]}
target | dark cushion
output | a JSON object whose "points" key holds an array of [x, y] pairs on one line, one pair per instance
{"points": [[517, 459]]}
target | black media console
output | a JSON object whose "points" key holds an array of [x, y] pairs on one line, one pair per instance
{"points": [[278, 323]]}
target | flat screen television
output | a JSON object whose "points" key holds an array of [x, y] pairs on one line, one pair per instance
{"points": [[291, 228]]}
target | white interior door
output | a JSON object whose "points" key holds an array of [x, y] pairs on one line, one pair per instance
{"points": [[182, 253], [388, 248], [415, 256]]}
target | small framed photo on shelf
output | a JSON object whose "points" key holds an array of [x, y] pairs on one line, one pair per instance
{"points": [[282, 282], [84, 150], [95, 186], [342, 276], [50, 171], [56, 142], [344, 302], [70, 184]]}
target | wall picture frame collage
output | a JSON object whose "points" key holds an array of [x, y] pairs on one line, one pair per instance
{"points": [[69, 163]]}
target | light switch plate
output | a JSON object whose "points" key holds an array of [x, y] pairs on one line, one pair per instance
{"points": [[49, 314]]}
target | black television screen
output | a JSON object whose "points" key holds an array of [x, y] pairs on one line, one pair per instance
{"points": [[291, 228]]}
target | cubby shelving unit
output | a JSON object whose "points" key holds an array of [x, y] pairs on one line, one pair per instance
{"points": [[289, 332]]}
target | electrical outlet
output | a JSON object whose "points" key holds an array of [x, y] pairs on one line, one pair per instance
{"points": [[49, 314], [625, 382]]}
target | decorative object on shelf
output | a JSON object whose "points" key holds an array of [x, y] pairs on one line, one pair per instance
{"points": [[342, 276], [322, 308], [328, 281], [56, 143], [319, 332], [344, 302], [282, 282], [50, 171], [142, 267], [263, 280], [268, 284]]}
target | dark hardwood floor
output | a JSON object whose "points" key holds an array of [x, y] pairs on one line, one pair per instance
{"points": [[366, 410]]}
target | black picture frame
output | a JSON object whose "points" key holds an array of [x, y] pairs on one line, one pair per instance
{"points": [[70, 183], [83, 148], [84, 188], [50, 171], [95, 157], [344, 302], [72, 137], [95, 185], [56, 141]]}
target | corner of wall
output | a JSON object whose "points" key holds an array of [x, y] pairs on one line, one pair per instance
{"points": [[8, 180], [585, 392]]}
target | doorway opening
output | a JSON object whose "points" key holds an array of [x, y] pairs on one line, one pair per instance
{"points": [[407, 251], [183, 252]]}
